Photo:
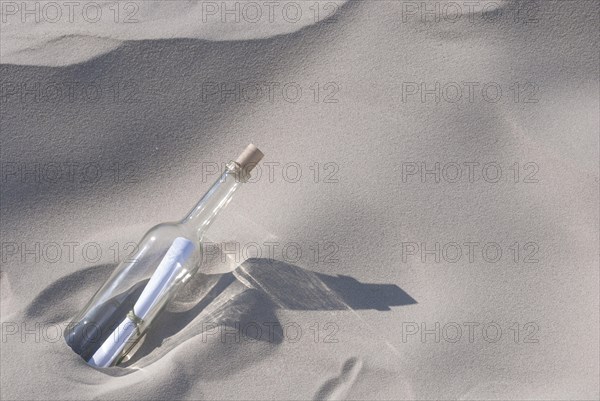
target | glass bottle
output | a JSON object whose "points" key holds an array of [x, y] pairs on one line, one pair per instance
{"points": [[121, 311]]}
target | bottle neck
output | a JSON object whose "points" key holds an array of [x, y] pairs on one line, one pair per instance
{"points": [[215, 200]]}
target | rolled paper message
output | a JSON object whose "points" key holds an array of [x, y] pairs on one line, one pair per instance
{"points": [[168, 271]]}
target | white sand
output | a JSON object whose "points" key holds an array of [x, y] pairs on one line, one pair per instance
{"points": [[164, 136]]}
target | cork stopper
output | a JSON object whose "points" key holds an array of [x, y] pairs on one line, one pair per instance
{"points": [[249, 158]]}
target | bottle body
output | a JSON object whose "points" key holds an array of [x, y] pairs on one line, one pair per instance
{"points": [[121, 311], [107, 320]]}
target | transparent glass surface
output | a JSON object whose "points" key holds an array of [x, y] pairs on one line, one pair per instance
{"points": [[123, 309]]}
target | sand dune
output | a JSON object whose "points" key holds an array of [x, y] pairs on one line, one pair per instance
{"points": [[136, 121], [47, 32]]}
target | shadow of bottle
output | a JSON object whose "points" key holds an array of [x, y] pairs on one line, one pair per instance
{"points": [[251, 295]]}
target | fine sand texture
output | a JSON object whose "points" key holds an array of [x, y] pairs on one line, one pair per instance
{"points": [[424, 224]]}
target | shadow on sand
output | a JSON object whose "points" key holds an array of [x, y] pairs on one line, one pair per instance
{"points": [[250, 296]]}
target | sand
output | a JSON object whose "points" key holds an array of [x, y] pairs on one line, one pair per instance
{"points": [[425, 225]]}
